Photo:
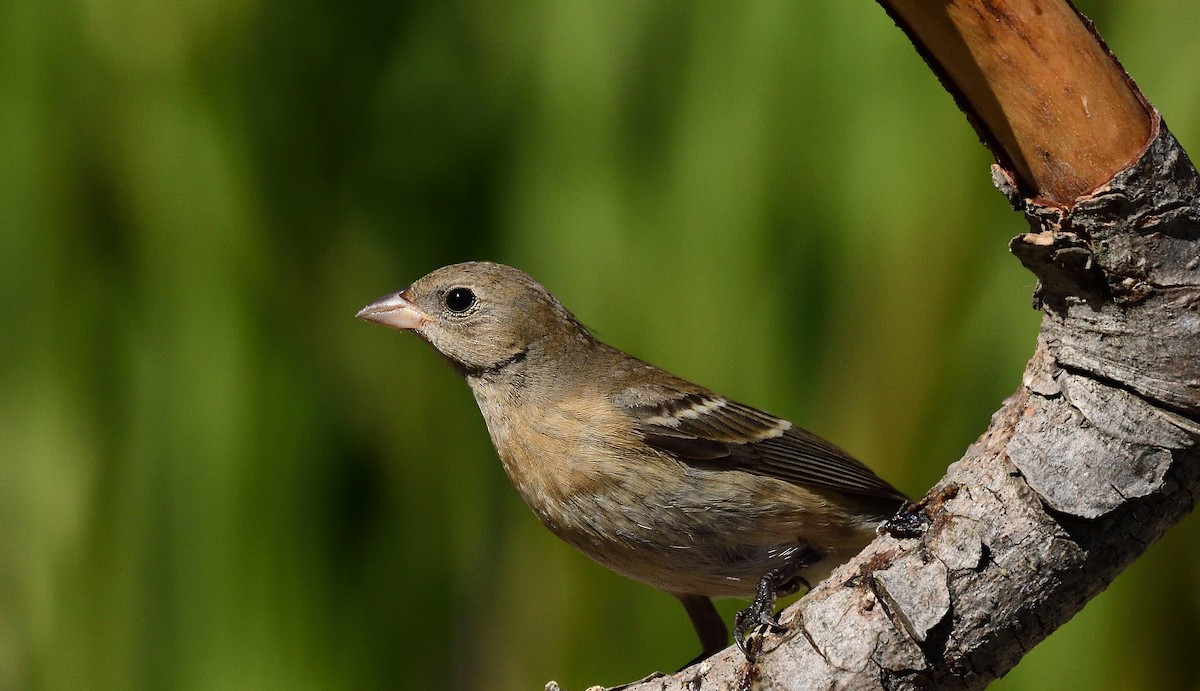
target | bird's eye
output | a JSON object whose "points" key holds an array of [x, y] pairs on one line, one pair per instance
{"points": [[459, 300]]}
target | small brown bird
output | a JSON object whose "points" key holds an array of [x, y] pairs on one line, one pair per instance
{"points": [[654, 477]]}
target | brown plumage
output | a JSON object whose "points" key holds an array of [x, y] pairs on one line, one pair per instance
{"points": [[652, 476]]}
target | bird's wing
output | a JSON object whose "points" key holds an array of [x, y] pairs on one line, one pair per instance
{"points": [[704, 429]]}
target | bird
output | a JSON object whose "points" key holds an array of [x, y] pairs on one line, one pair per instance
{"points": [[656, 478]]}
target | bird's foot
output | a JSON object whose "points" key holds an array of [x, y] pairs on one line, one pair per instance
{"points": [[914, 518], [759, 617], [908, 522]]}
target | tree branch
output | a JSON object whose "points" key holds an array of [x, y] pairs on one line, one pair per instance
{"points": [[1096, 454], [1037, 83]]}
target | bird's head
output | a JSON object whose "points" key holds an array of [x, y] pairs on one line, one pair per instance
{"points": [[480, 316]]}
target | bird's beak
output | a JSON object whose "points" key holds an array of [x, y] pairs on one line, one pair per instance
{"points": [[394, 311]]}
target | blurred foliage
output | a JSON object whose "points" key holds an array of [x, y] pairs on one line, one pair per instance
{"points": [[213, 477]]}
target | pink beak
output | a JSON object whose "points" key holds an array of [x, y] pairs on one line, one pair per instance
{"points": [[394, 311]]}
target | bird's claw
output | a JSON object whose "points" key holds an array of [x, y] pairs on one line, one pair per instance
{"points": [[908, 522], [759, 617]]}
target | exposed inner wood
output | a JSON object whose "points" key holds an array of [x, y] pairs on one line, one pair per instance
{"points": [[1041, 89]]}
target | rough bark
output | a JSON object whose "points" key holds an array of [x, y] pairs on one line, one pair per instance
{"points": [[1089, 462], [1083, 467]]}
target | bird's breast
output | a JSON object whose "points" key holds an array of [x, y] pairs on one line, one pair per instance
{"points": [[554, 452]]}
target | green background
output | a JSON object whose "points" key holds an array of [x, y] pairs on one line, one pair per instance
{"points": [[213, 477]]}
